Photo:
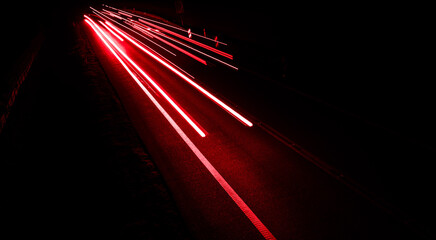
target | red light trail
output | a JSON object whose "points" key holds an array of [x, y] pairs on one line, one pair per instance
{"points": [[231, 181], [110, 30], [116, 51], [172, 45], [135, 24], [187, 79], [167, 25], [189, 39], [197, 128]]}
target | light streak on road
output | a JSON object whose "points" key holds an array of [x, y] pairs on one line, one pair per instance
{"points": [[112, 14], [220, 103], [125, 14], [110, 30], [167, 25], [183, 44], [156, 31], [129, 28], [190, 81], [224, 54], [212, 170], [170, 44], [104, 16], [141, 30], [147, 21], [188, 119]]}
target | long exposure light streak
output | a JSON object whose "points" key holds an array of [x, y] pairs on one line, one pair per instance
{"points": [[100, 14], [152, 82], [185, 45], [139, 33], [110, 30], [141, 19], [189, 39], [190, 81], [167, 25], [220, 103], [206, 163], [130, 23], [172, 45]]}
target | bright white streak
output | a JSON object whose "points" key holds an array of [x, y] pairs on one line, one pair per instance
{"points": [[169, 99], [168, 25], [212, 170]]}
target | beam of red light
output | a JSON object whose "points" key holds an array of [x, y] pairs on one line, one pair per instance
{"points": [[183, 44], [168, 25], [111, 31], [218, 177], [195, 85], [104, 15], [112, 14], [183, 76], [188, 39], [175, 47], [142, 30], [139, 33], [125, 14], [191, 122]]}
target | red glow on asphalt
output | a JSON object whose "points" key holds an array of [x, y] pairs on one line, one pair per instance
{"points": [[217, 176], [152, 82]]}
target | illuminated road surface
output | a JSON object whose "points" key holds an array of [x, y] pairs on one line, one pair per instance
{"points": [[230, 178]]}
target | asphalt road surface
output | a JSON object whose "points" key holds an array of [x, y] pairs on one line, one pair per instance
{"points": [[238, 181]]}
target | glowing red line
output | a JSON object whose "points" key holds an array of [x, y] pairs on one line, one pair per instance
{"points": [[156, 86], [168, 25], [104, 15], [139, 33], [142, 30], [110, 30], [130, 21], [112, 14], [176, 47], [202, 90], [194, 49], [125, 14], [224, 184], [189, 40], [194, 84]]}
